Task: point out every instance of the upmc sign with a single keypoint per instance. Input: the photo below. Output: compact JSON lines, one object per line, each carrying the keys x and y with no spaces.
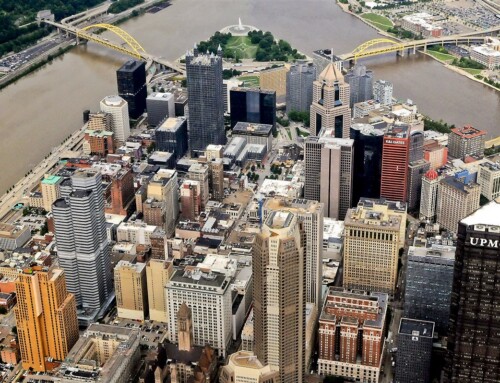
{"x":483,"y":242}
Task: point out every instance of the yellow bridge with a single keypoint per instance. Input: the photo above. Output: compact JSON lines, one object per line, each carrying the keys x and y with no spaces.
{"x":129,"y":45}
{"x":385,"y":45}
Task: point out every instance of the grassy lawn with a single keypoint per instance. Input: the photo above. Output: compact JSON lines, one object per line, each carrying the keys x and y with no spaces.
{"x":378,"y":21}
{"x":242,"y":46}
{"x":472,"y":71}
{"x":250,"y":80}
{"x":441,"y":56}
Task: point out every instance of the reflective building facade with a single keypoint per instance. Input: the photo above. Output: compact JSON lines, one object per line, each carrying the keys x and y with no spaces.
{"x":253,"y":105}
{"x":131,"y":79}
{"x":368,"y":143}
{"x":205,"y":101}
{"x":474,"y":331}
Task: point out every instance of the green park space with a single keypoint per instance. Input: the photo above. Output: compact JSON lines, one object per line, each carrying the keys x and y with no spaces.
{"x":378,"y":21}
{"x":447,"y":58}
{"x":241,"y":47}
{"x":250,"y":81}
{"x":472,"y":71}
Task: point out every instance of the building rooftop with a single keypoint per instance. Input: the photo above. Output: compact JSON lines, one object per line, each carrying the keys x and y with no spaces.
{"x":468,"y":132}
{"x":328,"y":137}
{"x":281,"y":188}
{"x":160,"y":96}
{"x":51,"y":180}
{"x":192,"y":277}
{"x":331,"y":74}
{"x":416,"y":327}
{"x":99,"y":133}
{"x":485,"y":215}
{"x":171,"y":124}
{"x":138,"y":267}
{"x":373,"y":304}
{"x":248,"y":89}
{"x":279,"y":219}
{"x":251,"y":129}
{"x":113,"y":101}
{"x":131,"y":66}
{"x":487,"y":51}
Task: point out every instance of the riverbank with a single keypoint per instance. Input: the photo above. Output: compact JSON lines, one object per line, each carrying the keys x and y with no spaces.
{"x":21,"y":190}
{"x":345,"y":8}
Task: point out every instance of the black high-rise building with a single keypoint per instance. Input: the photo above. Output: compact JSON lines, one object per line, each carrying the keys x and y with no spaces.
{"x":205,"y":101}
{"x":414,"y":342}
{"x":367,"y":169}
{"x":131,"y":79}
{"x":417,"y":167}
{"x":253,"y":105}
{"x":474,"y":331}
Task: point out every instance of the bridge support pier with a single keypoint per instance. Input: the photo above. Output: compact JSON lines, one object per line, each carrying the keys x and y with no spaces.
{"x":414,"y":49}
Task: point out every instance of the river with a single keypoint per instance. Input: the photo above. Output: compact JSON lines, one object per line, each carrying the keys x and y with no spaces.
{"x":43,"y":108}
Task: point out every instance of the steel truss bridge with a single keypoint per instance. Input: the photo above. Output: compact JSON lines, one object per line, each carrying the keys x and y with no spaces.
{"x":129,"y":45}
{"x":385,"y":45}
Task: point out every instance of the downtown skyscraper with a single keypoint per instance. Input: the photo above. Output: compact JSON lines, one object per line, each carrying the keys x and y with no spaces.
{"x":46,"y":321}
{"x":82,"y":244}
{"x":279,"y":296}
{"x":474,"y":328}
{"x":205,"y":101}
{"x":299,"y":86}
{"x":330,"y":107}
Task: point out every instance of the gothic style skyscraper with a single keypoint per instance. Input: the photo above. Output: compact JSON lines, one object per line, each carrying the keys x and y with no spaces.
{"x":330,"y":106}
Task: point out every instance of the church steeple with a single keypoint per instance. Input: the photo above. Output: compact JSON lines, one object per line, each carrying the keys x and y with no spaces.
{"x":185,"y":328}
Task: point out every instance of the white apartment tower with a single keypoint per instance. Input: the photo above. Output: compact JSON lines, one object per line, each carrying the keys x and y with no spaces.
{"x":117,"y":107}
{"x":82,"y":244}
{"x":382,"y":92}
{"x":279,"y":296}
{"x":428,"y":198}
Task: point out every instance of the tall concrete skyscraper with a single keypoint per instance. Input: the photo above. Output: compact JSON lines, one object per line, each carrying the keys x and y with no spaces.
{"x":82,"y":244}
{"x":429,"y":194}
{"x":131,"y":80}
{"x":367,"y":167}
{"x":330,"y":105}
{"x":279,"y":296}
{"x":299,"y":86}
{"x":46,"y":321}
{"x":456,"y":200}
{"x":205,"y":101}
{"x":118,"y":109}
{"x":360,"y":81}
{"x":417,"y":167}
{"x":310,"y":214}
{"x":474,"y":331}
{"x":329,"y":171}
{"x":374,"y":232}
